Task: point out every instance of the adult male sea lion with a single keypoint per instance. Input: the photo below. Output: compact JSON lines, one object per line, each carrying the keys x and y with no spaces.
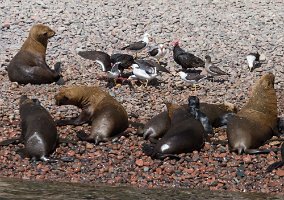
{"x":107,"y":115}
{"x":257,"y":121}
{"x":29,"y":64}
{"x":39,"y":133}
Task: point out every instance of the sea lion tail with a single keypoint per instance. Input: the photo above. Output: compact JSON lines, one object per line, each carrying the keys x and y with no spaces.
{"x":275,"y":165}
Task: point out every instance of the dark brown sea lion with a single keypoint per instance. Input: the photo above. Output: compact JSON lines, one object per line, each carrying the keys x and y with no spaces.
{"x":257,"y":121}
{"x":184,"y":136}
{"x":156,"y":127}
{"x":39,"y":133}
{"x":279,"y":163}
{"x":107,"y":115}
{"x":29,"y":65}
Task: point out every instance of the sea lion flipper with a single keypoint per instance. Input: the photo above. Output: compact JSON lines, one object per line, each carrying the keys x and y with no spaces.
{"x":67,"y":159}
{"x":60,"y":81}
{"x":16,"y":140}
{"x":275,"y":165}
{"x":257,"y":151}
{"x":57,"y":67}
{"x":83,"y":118}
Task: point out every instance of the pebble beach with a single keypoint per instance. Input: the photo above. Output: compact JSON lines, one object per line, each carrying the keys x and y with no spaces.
{"x":227,"y":31}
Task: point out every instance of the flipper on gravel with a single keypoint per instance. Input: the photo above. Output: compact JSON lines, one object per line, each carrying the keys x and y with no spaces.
{"x":260,"y":151}
{"x":16,"y":140}
{"x":57,"y":67}
{"x":149,"y":150}
{"x":279,"y":163}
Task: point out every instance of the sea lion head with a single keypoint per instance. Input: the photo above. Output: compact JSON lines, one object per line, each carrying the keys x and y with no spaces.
{"x":171,"y":107}
{"x":25,"y":100}
{"x":41,"y":33}
{"x":266,"y":82}
{"x":66,"y":96}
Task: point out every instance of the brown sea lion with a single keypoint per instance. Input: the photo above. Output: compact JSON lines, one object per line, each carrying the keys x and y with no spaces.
{"x":257,"y":121}
{"x":279,"y":163}
{"x":39,"y":133}
{"x":218,"y":113}
{"x":29,"y":65}
{"x":184,"y":136}
{"x":107,"y":115}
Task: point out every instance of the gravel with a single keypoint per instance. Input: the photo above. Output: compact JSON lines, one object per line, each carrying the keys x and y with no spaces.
{"x":227,"y":31}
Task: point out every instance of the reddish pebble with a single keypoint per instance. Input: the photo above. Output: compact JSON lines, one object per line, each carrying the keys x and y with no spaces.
{"x":159,"y":170}
{"x":71,"y":153}
{"x":280,"y":172}
{"x":139,"y":162}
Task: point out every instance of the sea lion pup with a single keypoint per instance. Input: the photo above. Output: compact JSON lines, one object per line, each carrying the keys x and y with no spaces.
{"x":257,"y":121}
{"x":39,"y":133}
{"x":156,"y":127}
{"x":107,"y":115}
{"x":218,"y":113}
{"x":183,"y":137}
{"x":279,"y":163}
{"x":29,"y":65}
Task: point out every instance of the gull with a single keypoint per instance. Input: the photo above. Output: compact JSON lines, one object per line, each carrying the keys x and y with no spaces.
{"x":139,"y":45}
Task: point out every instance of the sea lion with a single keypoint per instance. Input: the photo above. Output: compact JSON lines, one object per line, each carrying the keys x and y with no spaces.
{"x":218,"y":113}
{"x":29,"y":65}
{"x":39,"y":133}
{"x":157,"y":126}
{"x":183,"y":137}
{"x":257,"y":121}
{"x":279,"y":163}
{"x":107,"y":115}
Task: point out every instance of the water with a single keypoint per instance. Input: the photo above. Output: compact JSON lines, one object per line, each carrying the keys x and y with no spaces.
{"x":17,"y":189}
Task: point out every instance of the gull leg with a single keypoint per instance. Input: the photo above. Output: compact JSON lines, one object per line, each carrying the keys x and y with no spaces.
{"x":147,"y":83}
